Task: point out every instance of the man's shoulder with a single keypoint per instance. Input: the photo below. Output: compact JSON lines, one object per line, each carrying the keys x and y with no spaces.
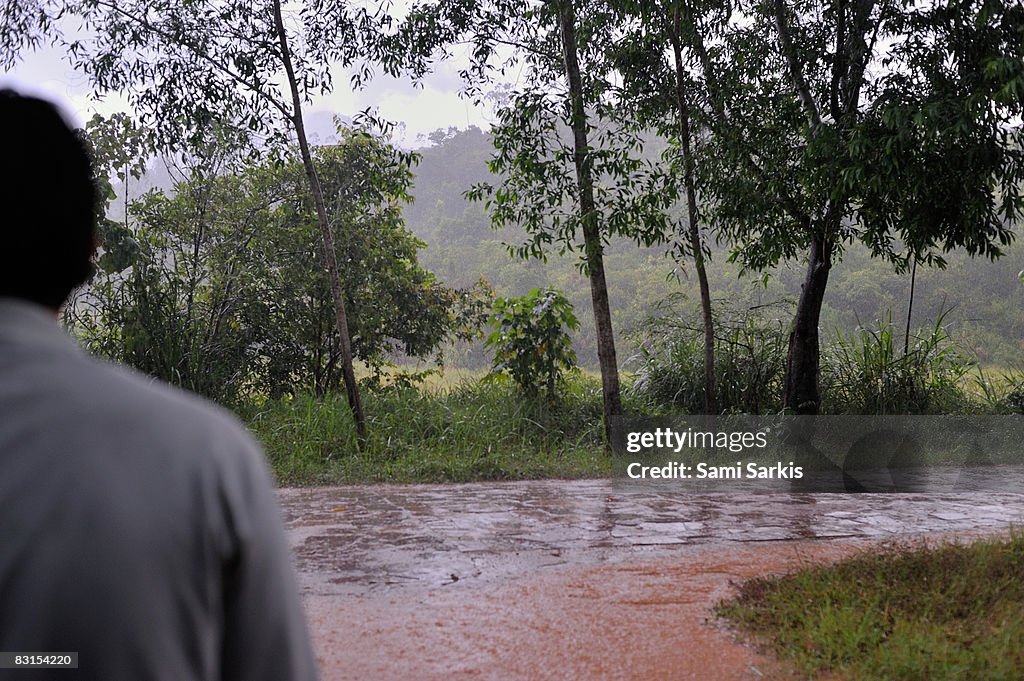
{"x":129,"y":399}
{"x":73,"y":401}
{"x":123,"y":425}
{"x":135,"y":388}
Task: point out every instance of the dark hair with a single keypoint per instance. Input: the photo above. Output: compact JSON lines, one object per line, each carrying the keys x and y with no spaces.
{"x":48,"y":203}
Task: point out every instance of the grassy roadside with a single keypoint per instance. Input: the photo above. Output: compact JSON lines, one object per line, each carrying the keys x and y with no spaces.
{"x":429,"y":425}
{"x":472,"y":431}
{"x":909,"y":613}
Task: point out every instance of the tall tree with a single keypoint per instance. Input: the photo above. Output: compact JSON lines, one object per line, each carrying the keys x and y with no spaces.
{"x":186,"y":67}
{"x":572,"y":175}
{"x":685,"y":138}
{"x":326,"y":234}
{"x":877,"y":120}
{"x":660,"y":88}
{"x":592,"y":243}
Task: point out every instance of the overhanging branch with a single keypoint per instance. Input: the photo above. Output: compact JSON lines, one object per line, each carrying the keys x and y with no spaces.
{"x":200,"y":54}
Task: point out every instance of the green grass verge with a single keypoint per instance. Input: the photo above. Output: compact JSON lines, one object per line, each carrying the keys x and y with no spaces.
{"x":475,"y":431}
{"x":935,"y":614}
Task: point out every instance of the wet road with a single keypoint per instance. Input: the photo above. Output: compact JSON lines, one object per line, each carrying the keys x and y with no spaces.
{"x":571,"y":579}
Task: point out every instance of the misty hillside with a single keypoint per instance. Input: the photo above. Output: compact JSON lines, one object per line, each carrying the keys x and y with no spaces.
{"x":985,"y":300}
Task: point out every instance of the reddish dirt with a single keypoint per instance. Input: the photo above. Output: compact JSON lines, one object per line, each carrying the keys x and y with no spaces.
{"x":645,"y":620}
{"x":573,"y":580}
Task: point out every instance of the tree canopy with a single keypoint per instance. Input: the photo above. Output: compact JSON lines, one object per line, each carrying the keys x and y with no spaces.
{"x":216,"y":286}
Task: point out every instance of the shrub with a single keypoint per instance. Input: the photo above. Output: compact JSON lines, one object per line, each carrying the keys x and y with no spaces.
{"x":531,"y":340}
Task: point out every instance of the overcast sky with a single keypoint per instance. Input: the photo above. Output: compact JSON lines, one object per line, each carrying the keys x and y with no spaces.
{"x":434,"y":106}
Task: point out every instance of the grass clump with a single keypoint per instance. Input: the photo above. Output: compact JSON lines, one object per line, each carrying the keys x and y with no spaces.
{"x":869,"y":373}
{"x":750,"y":352}
{"x":1001,"y":393}
{"x":872,"y":371}
{"x":478,"y":431}
{"x":909,"y":613}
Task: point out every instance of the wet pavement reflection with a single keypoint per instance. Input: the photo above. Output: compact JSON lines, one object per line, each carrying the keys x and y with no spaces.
{"x":368,"y":539}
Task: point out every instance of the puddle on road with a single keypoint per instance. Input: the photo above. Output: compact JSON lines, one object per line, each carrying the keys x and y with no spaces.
{"x":362,"y":538}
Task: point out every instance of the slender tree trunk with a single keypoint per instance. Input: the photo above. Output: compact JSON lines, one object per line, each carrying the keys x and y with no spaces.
{"x":591,"y":229}
{"x":693,"y":217}
{"x":330,"y":258}
{"x":803,"y":362}
{"x":910,"y":307}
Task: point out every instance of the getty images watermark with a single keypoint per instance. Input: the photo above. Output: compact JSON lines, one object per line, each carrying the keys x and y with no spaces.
{"x":823,"y":453}
{"x":689,"y":440}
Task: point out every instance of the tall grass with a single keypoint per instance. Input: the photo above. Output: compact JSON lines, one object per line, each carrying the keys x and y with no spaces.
{"x":1013,"y":398}
{"x":424,"y":428}
{"x":477,"y":431}
{"x":1002,"y":393}
{"x":750,"y":351}
{"x":867,"y":373}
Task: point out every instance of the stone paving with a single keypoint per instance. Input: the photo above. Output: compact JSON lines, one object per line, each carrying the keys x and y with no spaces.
{"x":364,"y":539}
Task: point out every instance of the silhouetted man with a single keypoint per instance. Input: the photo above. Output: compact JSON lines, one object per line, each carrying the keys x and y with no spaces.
{"x":138,"y":524}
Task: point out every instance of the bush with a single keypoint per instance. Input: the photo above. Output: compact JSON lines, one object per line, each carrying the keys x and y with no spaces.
{"x":531,"y":341}
{"x":145,"y":308}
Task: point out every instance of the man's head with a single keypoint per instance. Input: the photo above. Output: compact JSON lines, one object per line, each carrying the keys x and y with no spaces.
{"x":47,"y":203}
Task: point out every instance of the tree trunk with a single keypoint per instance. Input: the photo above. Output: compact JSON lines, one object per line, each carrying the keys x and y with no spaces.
{"x":910,"y":308}
{"x":803,"y":365}
{"x":803,"y":360}
{"x":693,"y":217}
{"x":330,"y":257}
{"x":591,"y":229}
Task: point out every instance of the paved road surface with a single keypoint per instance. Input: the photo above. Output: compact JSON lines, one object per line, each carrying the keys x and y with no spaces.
{"x":592,"y":579}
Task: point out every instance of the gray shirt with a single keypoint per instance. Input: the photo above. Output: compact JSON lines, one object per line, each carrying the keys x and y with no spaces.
{"x":138,"y":524}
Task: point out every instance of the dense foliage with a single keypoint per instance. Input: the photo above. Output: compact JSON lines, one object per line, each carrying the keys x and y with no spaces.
{"x":982,"y":301}
{"x":829,"y":147}
{"x":219,"y":286}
